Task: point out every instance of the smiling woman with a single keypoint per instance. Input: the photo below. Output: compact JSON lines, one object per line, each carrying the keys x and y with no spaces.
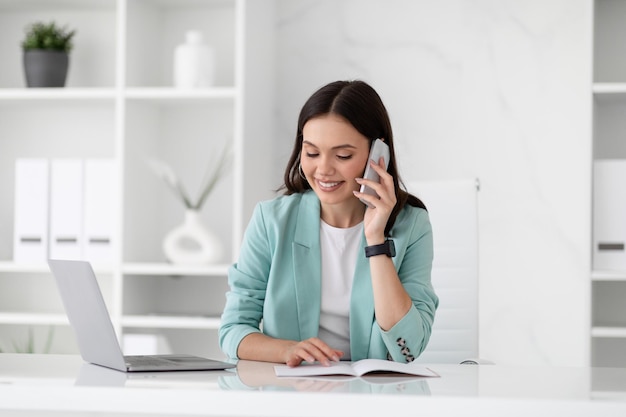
{"x":330,"y":277}
{"x":333,"y":155}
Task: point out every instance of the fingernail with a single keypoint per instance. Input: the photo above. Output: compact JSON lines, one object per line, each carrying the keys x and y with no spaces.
{"x":358,"y":179}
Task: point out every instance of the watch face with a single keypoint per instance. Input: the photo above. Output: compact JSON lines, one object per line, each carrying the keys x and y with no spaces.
{"x":391,"y":248}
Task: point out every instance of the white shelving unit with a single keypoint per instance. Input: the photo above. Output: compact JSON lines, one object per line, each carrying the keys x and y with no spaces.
{"x":119,"y":103}
{"x":608,"y":288}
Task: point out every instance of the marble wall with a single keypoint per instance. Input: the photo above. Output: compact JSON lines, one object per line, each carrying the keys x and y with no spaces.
{"x":493,"y":89}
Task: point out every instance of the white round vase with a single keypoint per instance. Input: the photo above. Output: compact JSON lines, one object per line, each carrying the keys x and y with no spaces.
{"x":192,"y":243}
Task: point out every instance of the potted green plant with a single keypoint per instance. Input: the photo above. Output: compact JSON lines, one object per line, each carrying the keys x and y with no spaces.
{"x":46,"y":54}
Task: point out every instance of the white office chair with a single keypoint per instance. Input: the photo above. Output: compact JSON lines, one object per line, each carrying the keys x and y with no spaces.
{"x":453,"y":211}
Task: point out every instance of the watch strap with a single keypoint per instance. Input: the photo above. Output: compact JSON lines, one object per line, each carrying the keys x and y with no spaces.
{"x":386,"y":248}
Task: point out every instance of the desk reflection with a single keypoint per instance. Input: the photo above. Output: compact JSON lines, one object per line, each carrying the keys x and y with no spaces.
{"x":253,"y":375}
{"x":97,"y":376}
{"x":250,"y":376}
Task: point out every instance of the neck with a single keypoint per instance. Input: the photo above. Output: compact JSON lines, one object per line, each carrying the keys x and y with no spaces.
{"x":343,"y":216}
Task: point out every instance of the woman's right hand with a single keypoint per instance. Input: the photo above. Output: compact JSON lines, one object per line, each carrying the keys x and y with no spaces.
{"x":311,"y":350}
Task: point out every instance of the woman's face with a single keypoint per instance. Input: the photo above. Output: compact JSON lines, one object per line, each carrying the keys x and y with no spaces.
{"x":334,"y":153}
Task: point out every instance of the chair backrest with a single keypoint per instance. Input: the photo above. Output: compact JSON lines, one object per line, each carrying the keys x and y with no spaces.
{"x":453,"y":212}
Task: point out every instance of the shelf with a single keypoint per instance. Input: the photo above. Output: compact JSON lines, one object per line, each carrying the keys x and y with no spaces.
{"x":38,"y":268}
{"x":56,"y":94}
{"x":8,"y":266}
{"x":164,"y":94}
{"x":148,"y":321}
{"x":33,"y":319}
{"x":176,"y":270}
{"x":190,"y":3}
{"x":608,"y":395}
{"x":168,"y":94}
{"x":75,"y":4}
{"x":608,"y":276}
{"x":608,"y":289}
{"x":171,"y":322}
{"x":120,"y":103}
{"x":128,"y":269}
{"x":608,"y":332}
{"x":609,"y":88}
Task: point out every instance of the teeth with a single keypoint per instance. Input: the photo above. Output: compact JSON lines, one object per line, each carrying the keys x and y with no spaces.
{"x":328,"y":184}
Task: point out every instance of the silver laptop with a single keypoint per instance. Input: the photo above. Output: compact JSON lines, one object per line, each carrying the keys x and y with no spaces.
{"x":94,"y":331}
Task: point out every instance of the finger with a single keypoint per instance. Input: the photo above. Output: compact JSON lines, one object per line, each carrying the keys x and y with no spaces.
{"x":385,"y":178}
{"x":303,"y":384}
{"x":322,"y":352}
{"x":311,"y":350}
{"x":324,"y":386}
{"x":370,"y":199}
{"x":304,"y":352}
{"x":296,"y":355}
{"x":384,"y":195}
{"x":385,"y":192}
{"x":315,"y":385}
{"x":379,"y":166}
{"x":293,"y":361}
{"x":374,"y":185}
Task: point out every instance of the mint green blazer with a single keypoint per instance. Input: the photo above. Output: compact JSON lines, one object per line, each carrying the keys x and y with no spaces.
{"x":275,"y":286}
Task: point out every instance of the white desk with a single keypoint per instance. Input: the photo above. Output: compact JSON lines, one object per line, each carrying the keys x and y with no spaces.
{"x":53,"y":385}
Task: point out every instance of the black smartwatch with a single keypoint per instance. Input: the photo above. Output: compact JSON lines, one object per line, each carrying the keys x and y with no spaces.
{"x":387,"y":248}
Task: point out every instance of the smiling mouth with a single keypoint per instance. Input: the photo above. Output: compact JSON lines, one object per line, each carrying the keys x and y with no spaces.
{"x":328,"y":185}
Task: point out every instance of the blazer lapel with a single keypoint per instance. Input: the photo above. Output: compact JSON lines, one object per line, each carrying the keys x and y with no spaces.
{"x":307,"y":265}
{"x":361,"y":307}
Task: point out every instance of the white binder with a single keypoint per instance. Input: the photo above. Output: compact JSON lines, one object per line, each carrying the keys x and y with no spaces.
{"x":609,"y":215}
{"x":99,"y":208}
{"x":30,"y":235}
{"x":66,"y":208}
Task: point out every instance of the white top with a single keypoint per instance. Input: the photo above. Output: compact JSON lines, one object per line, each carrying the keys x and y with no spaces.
{"x":339,"y":249}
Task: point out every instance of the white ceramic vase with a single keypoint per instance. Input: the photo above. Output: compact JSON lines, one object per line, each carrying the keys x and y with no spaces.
{"x":194,"y":62}
{"x":192,"y":243}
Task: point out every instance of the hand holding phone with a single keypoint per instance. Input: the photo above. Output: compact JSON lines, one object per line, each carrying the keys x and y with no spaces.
{"x":379,"y":149}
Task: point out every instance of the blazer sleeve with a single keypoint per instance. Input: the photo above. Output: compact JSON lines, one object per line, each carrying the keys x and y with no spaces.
{"x":248,"y":284}
{"x":408,"y":338}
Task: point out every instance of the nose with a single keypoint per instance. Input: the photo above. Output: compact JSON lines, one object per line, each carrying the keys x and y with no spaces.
{"x":325,"y":166}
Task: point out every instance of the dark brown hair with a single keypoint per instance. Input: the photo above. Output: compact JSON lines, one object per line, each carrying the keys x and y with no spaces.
{"x":359,"y":104}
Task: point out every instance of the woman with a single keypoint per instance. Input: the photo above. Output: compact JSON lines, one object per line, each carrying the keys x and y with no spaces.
{"x":316,"y":271}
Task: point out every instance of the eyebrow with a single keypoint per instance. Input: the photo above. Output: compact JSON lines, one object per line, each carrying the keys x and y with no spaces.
{"x":344,"y":146}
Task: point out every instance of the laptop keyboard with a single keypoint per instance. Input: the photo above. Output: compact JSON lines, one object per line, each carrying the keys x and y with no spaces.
{"x":147,"y":361}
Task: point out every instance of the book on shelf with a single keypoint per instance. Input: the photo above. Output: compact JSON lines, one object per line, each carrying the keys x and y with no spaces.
{"x":30,"y":240}
{"x":99,"y":210}
{"x":357,"y":369}
{"x":66,"y":208}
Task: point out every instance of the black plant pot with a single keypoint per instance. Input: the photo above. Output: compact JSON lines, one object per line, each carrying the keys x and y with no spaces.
{"x":45,"y":68}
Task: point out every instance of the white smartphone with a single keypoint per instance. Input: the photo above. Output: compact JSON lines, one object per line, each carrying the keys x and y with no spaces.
{"x":379,"y":149}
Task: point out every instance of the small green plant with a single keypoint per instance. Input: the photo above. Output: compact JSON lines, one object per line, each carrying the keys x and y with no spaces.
{"x":215,"y":170}
{"x":29,"y":345}
{"x":48,"y":36}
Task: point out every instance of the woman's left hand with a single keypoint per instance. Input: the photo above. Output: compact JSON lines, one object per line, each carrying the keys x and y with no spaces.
{"x":378,"y":213}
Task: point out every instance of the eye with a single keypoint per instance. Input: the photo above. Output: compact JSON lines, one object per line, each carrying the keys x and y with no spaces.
{"x":311,"y":154}
{"x":344,"y":157}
